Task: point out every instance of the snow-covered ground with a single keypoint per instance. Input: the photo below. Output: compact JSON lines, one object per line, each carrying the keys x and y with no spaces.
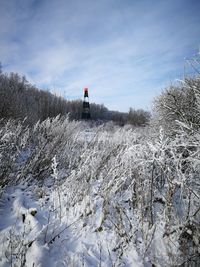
{"x":97,"y":197}
{"x":34,"y":234}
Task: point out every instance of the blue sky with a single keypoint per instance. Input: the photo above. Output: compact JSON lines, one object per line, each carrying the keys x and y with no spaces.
{"x":125,"y":51}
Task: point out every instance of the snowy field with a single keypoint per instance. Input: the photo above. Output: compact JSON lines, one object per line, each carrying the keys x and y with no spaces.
{"x":105,"y":196}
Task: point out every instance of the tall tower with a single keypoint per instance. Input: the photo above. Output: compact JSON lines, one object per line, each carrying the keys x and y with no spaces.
{"x":86,"y":106}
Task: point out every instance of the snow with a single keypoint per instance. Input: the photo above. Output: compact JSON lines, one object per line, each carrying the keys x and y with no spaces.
{"x":80,"y":240}
{"x":101,"y":198}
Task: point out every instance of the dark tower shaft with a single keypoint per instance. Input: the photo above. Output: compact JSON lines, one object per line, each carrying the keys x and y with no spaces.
{"x":86,"y":106}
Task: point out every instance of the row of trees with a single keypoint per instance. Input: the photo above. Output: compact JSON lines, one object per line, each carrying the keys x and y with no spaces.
{"x":20,"y":99}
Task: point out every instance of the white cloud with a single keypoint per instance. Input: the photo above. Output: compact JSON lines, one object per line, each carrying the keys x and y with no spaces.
{"x":122,"y":51}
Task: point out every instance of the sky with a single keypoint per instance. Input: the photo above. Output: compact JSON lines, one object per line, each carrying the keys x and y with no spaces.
{"x":125,"y":51}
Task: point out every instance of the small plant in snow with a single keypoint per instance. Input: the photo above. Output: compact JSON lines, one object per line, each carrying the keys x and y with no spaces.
{"x":57,"y":193}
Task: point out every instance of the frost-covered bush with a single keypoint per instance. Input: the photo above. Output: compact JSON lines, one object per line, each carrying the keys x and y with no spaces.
{"x":179,"y":106}
{"x":26,"y":152}
{"x":13,"y":140}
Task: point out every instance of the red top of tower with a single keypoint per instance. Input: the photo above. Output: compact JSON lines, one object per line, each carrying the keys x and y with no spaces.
{"x":85,"y":90}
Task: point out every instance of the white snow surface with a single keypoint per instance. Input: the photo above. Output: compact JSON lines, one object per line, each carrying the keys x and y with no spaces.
{"x":31,"y":229}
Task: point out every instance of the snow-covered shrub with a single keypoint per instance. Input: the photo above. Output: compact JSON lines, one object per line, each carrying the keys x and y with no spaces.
{"x":13,"y":142}
{"x":26,"y":153}
{"x":179,"y":105}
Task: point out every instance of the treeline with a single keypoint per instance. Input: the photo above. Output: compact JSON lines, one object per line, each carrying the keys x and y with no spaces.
{"x":19,"y":99}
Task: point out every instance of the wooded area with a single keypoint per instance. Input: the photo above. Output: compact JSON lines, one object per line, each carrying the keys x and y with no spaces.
{"x":20,"y":99}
